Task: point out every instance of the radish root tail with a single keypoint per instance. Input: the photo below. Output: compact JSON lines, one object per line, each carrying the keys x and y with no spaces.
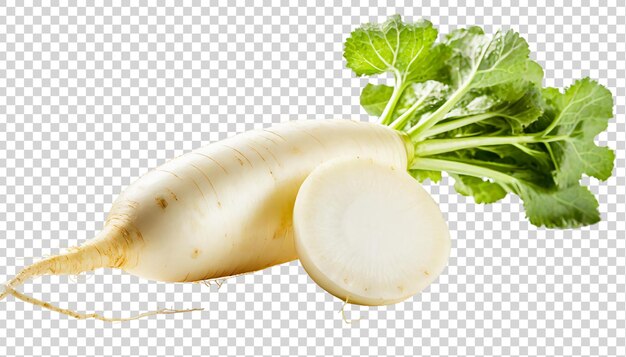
{"x":106,"y":251}
{"x":343,"y":313}
{"x":82,"y":316}
{"x":109,"y":250}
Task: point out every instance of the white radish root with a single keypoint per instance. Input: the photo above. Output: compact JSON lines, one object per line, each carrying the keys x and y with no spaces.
{"x":221,"y":210}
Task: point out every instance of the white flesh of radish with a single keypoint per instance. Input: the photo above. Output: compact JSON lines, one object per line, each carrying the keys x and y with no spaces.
{"x":368,"y":233}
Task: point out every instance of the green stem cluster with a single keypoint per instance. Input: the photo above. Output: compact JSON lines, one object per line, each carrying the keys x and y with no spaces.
{"x":461,"y":168}
{"x":473,"y":105}
{"x":440,"y":146}
{"x":385,"y":117}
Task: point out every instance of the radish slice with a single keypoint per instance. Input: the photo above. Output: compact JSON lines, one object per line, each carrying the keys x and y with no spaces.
{"x":368,"y":233}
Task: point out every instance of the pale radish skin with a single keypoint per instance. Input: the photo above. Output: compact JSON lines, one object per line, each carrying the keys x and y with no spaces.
{"x":222,"y":210}
{"x":368,"y":233}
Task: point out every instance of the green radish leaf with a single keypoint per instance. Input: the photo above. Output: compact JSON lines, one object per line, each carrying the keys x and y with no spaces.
{"x":374,"y":98}
{"x":579,"y":115}
{"x":508,"y":105}
{"x":480,"y":60}
{"x":571,"y":207}
{"x":393,"y":46}
{"x":423,"y":175}
{"x":483,"y":191}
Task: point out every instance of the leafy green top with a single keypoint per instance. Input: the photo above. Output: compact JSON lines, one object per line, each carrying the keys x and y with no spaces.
{"x":406,"y":49}
{"x":474,"y":106}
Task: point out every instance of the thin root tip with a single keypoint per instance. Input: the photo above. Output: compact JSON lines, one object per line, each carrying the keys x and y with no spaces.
{"x":5,"y":293}
{"x":82,"y":316}
{"x":171,"y":311}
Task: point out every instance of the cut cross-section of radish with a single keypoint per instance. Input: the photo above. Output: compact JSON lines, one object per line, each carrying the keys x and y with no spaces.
{"x":368,"y":233}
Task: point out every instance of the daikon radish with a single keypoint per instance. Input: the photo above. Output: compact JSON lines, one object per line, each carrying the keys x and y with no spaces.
{"x":221,"y":210}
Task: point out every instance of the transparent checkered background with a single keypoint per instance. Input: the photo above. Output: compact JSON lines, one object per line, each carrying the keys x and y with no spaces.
{"x":92,"y":97}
